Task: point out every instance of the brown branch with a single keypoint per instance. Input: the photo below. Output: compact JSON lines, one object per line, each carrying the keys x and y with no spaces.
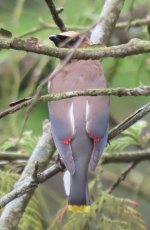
{"x":22,"y":103}
{"x":10,"y":156}
{"x":133,"y":47}
{"x":55,"y":14}
{"x":126,"y":157}
{"x":107,"y":158}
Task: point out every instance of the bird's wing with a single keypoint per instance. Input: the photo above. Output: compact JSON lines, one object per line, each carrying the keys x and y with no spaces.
{"x":97,"y":115}
{"x":62,"y":119}
{"x":98,"y":150}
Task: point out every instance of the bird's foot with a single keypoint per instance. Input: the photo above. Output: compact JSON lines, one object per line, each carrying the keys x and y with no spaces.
{"x":59,"y":160}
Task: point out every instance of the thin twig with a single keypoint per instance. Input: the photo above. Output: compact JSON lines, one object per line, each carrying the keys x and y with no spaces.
{"x":138,"y":91}
{"x":122,"y":177}
{"x":120,"y":25}
{"x":11,"y":156}
{"x":20,"y":163}
{"x":32,"y":31}
{"x":134,"y":23}
{"x":133,"y":118}
{"x":55,"y":15}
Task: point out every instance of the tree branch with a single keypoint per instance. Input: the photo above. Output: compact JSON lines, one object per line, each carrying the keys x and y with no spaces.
{"x":126,"y":157}
{"x":133,"y":118}
{"x":55,"y":15}
{"x":22,"y":103}
{"x":10,"y":156}
{"x":123,"y":157}
{"x":106,"y":24}
{"x":134,"y":46}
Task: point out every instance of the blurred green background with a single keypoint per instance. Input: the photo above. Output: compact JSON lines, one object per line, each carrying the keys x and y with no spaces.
{"x":21,"y":73}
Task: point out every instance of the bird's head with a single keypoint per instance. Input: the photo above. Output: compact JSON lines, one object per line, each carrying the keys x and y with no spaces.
{"x":69,"y":39}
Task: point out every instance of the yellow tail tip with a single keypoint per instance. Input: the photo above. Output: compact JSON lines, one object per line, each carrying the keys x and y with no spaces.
{"x":79,"y":208}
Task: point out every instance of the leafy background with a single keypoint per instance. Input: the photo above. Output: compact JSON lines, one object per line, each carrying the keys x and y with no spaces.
{"x":21,"y":73}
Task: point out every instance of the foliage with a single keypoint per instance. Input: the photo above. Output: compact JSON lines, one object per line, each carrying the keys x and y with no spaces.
{"x":132,"y":137}
{"x":108,"y":212}
{"x":26,"y":143}
{"x":32,"y":218}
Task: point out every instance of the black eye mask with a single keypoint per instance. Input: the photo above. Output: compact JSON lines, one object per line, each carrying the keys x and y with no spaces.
{"x":63,"y":41}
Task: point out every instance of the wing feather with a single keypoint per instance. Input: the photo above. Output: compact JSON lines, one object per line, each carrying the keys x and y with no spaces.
{"x":97,"y":116}
{"x":63,"y":128}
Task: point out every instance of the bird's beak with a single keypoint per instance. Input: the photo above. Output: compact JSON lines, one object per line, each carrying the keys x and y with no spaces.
{"x":55,"y":39}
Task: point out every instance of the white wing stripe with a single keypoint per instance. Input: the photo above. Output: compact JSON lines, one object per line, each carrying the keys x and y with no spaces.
{"x":71,"y":117}
{"x":87,"y":110}
{"x":66,"y":179}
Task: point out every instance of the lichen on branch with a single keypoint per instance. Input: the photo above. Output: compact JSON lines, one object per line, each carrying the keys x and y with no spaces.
{"x":133,"y":47}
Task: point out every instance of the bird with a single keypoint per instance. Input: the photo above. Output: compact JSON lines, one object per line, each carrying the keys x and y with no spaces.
{"x":79,"y":124}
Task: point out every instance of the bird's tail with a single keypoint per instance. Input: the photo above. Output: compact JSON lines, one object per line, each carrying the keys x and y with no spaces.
{"x":77,"y":190}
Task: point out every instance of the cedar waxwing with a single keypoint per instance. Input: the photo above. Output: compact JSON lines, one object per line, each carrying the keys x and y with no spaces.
{"x":79,"y":124}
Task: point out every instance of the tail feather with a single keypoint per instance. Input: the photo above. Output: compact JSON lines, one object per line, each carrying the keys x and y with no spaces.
{"x":67,"y":179}
{"x":79,"y":208}
{"x":76,"y":188}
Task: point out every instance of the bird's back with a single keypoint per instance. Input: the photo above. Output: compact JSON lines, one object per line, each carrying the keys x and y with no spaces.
{"x":79,"y":117}
{"x":78,"y":75}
